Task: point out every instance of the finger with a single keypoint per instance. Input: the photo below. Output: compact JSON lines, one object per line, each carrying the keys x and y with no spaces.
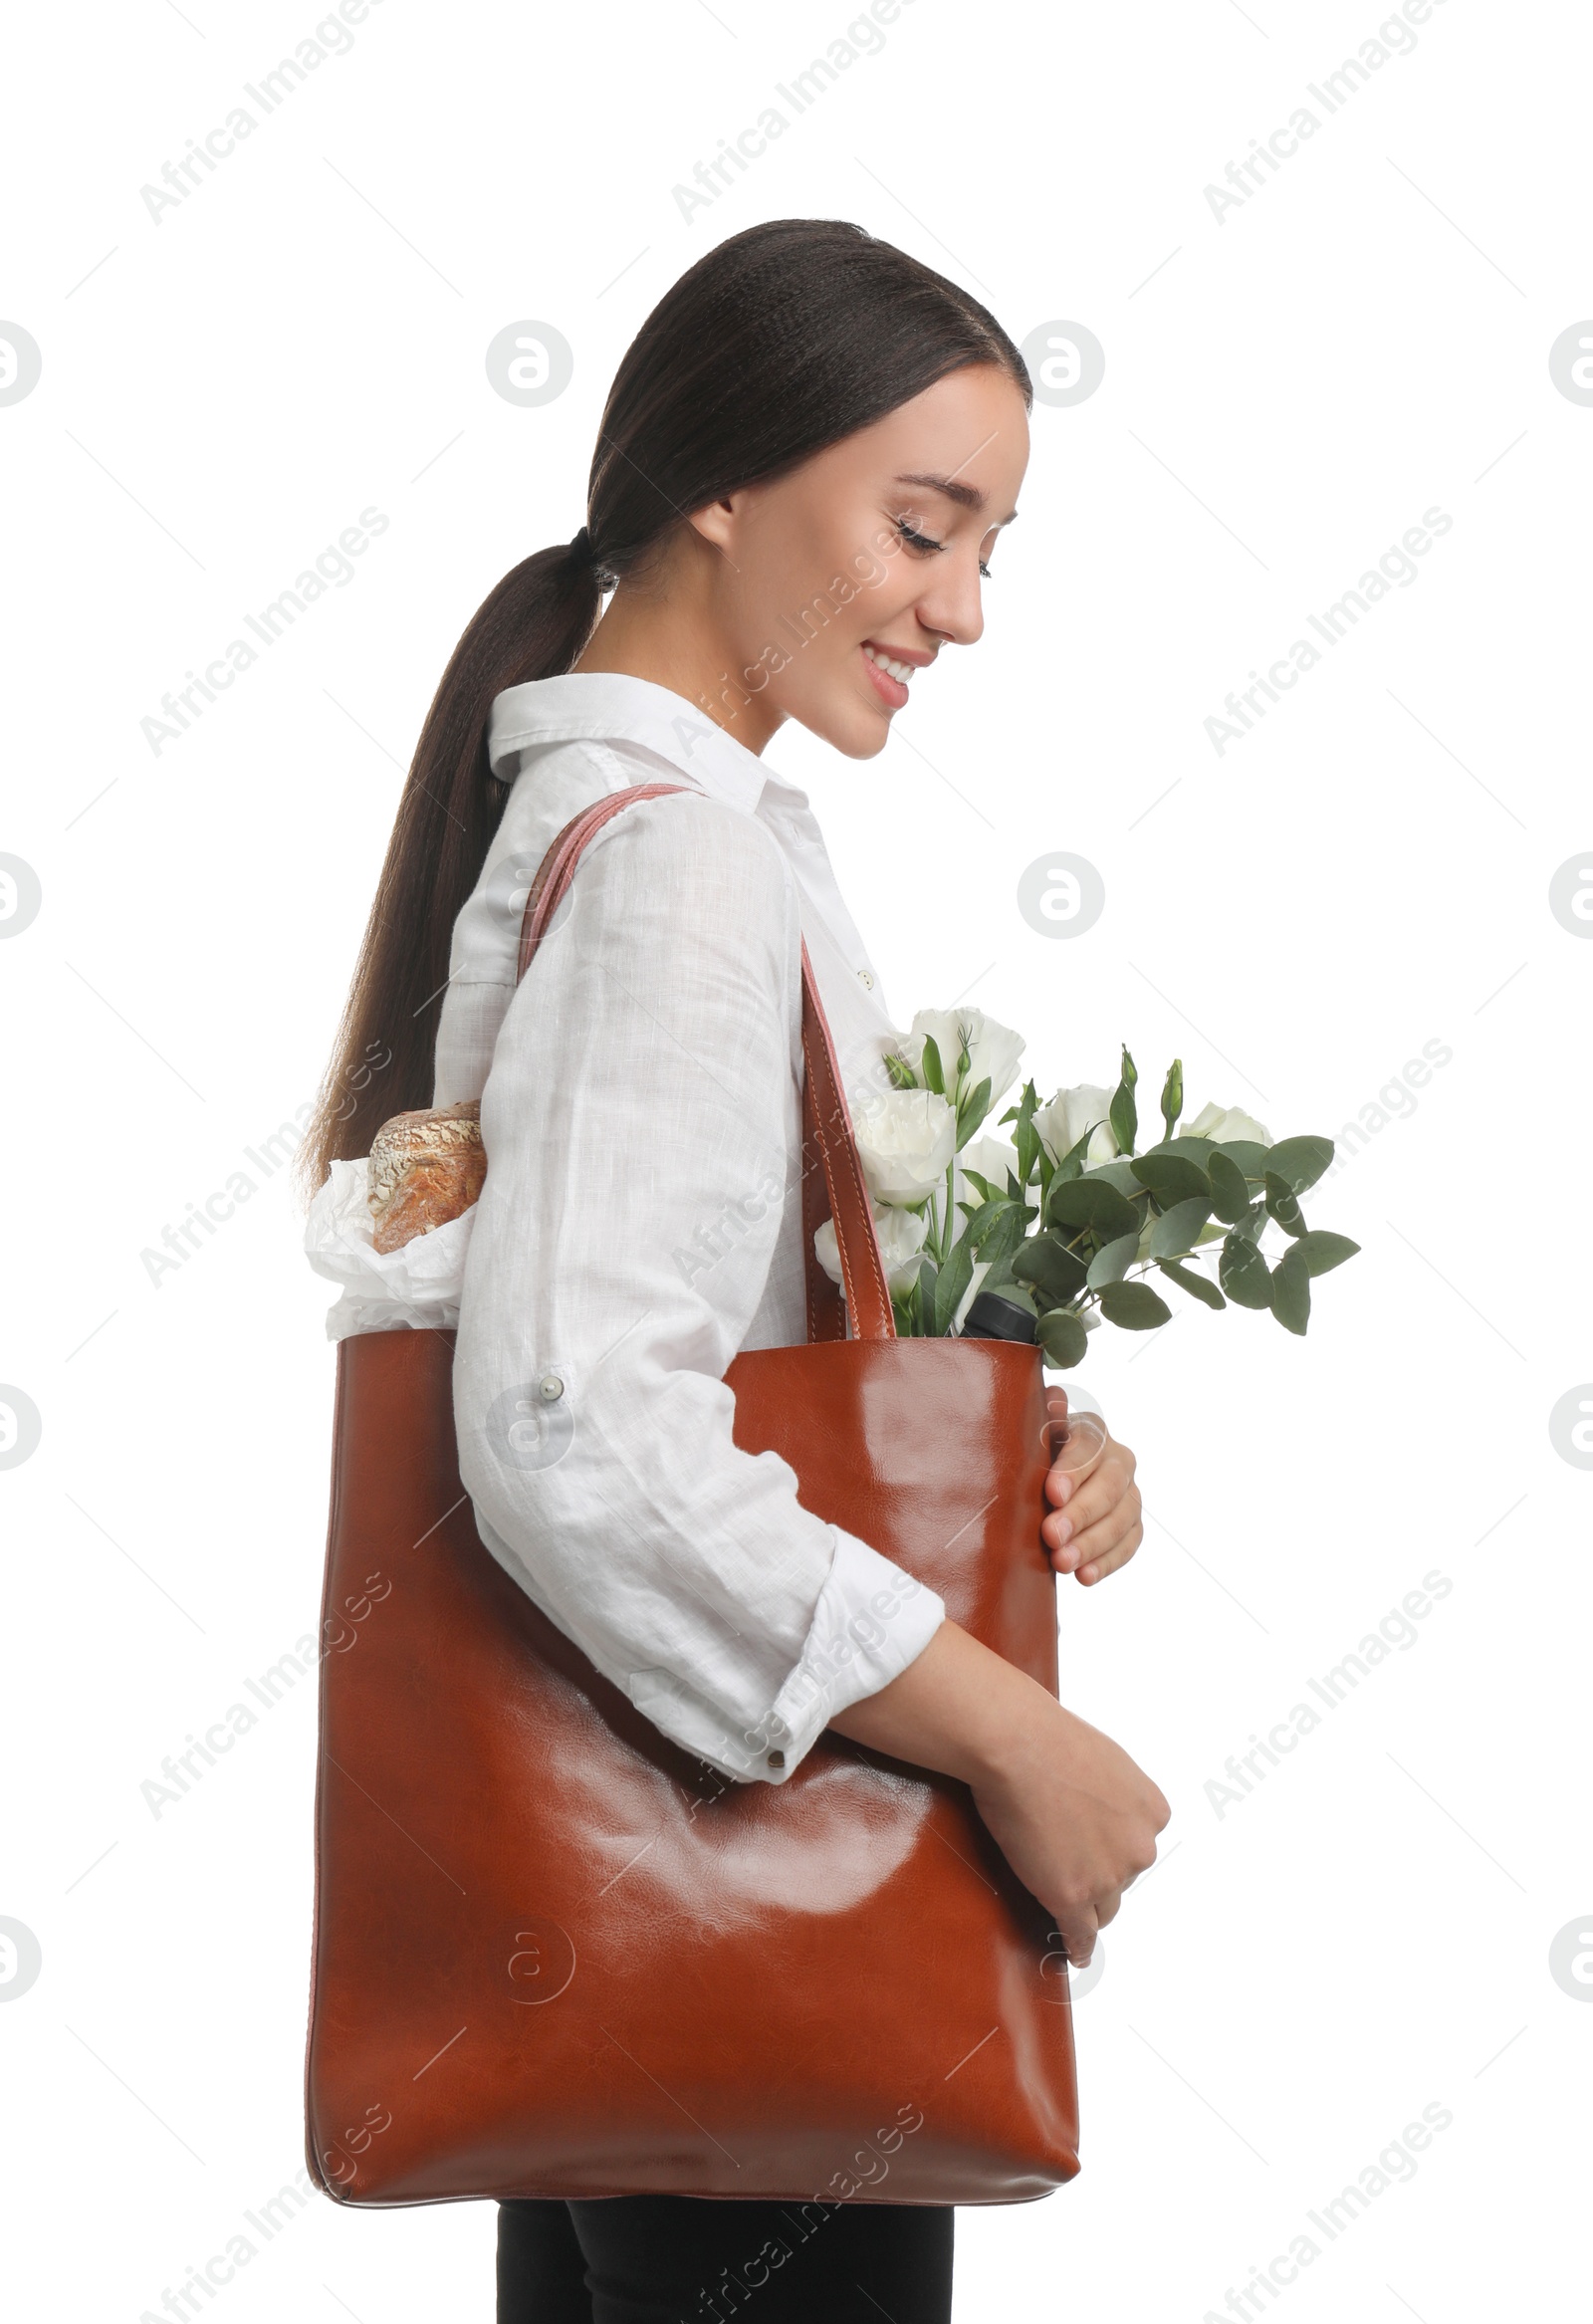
{"x":1088,"y":1498}
{"x":1095,"y":1564}
{"x":1073,"y":1547}
{"x":1078,"y":1507}
{"x":1106,"y":1540}
{"x":1097,"y":1539}
{"x":1107,"y":1906}
{"x":1077,"y":1931}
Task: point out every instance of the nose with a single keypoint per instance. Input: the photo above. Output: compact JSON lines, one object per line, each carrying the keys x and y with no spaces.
{"x":952,"y":603}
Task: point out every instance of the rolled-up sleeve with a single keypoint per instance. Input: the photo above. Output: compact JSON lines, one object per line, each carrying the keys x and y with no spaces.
{"x":641,"y":1122}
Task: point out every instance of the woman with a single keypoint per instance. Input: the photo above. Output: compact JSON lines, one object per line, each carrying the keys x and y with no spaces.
{"x":804,"y":462}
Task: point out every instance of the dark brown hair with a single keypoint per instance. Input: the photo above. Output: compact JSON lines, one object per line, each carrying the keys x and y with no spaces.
{"x":774,"y":345}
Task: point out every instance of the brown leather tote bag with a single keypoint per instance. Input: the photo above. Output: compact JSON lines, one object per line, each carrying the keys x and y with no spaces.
{"x":553,"y":1954}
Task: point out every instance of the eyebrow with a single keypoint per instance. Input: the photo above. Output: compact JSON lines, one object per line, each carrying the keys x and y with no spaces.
{"x":964,"y":495}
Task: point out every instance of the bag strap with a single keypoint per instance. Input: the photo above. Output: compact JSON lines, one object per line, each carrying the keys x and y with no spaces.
{"x":831,"y":1170}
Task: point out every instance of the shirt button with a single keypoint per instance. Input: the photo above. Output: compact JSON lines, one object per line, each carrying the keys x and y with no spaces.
{"x":868,"y":982}
{"x":777,"y":1758}
{"x":550,"y":1387}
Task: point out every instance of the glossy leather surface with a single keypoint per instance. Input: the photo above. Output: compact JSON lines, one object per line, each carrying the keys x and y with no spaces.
{"x":553,"y":1954}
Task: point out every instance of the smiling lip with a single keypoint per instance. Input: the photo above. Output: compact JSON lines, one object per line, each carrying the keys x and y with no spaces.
{"x":882,"y":663}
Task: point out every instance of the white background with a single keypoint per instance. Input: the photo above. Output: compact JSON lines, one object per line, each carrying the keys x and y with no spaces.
{"x":1286,"y":392}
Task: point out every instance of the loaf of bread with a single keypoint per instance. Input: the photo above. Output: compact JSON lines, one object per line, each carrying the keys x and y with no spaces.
{"x":425,"y":1168}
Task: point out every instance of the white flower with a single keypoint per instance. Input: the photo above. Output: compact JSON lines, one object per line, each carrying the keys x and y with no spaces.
{"x":992,"y":1049}
{"x":993,"y":1158}
{"x":906,"y":1139}
{"x":1064,"y":1120}
{"x":1224,"y":1122}
{"x":901,"y":1238}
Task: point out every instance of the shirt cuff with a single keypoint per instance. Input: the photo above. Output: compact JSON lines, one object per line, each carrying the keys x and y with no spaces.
{"x":872,"y":1620}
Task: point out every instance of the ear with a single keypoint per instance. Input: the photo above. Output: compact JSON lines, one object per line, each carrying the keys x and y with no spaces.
{"x":715,"y":522}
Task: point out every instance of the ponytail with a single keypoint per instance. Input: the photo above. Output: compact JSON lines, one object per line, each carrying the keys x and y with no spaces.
{"x":781,"y":342}
{"x":532,"y":626}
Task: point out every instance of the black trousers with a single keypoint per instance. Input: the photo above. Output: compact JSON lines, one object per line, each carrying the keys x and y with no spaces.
{"x":681,"y":2259}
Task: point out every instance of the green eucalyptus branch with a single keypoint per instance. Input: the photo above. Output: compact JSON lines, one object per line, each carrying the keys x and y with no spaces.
{"x":1078,"y":1242}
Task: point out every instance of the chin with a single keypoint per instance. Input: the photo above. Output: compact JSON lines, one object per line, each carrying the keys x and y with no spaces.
{"x":857,"y":730}
{"x":865,"y":745}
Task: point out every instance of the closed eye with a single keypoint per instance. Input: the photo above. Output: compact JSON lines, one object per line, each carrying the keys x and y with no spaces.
{"x":922,"y":544}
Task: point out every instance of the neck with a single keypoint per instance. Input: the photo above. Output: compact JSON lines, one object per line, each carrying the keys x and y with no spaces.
{"x":663,"y":627}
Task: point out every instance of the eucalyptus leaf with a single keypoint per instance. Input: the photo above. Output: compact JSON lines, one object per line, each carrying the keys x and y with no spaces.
{"x":1200,"y":1286}
{"x":1001,"y":1280}
{"x":1042,"y":1265}
{"x":1243,"y":1274}
{"x":1172,"y":1178}
{"x":1118,"y":1174}
{"x":928,"y":1273}
{"x":1113,"y":1262}
{"x":1321,"y":1251}
{"x":1292,"y":1290}
{"x":1062,"y":1339}
{"x":1089,"y":1202}
{"x":1281,"y":1206}
{"x":1174,"y":1231}
{"x":1300,"y":1162}
{"x":1230,"y":1197}
{"x":1134,"y":1306}
{"x":1246,"y":1154}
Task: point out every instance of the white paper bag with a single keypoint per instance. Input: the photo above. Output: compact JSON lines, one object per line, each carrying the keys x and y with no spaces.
{"x":415,"y":1289}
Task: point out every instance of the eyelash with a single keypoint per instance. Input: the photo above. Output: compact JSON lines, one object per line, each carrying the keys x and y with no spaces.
{"x":922,"y":542}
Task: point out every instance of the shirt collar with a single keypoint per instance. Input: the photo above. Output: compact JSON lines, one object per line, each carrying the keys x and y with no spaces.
{"x":606,"y":706}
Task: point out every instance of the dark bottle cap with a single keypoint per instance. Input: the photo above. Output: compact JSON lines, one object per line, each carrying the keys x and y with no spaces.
{"x":990,"y":1316}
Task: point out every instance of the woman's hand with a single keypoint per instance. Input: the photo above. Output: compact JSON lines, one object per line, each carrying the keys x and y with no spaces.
{"x":1075,"y":1818}
{"x":1071,"y":1812}
{"x":1094,"y":1528}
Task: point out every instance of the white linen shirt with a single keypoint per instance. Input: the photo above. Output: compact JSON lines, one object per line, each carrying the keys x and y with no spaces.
{"x":641,"y":1223}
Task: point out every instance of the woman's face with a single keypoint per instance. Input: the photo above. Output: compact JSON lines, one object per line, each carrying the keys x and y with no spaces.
{"x":834,"y":587}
